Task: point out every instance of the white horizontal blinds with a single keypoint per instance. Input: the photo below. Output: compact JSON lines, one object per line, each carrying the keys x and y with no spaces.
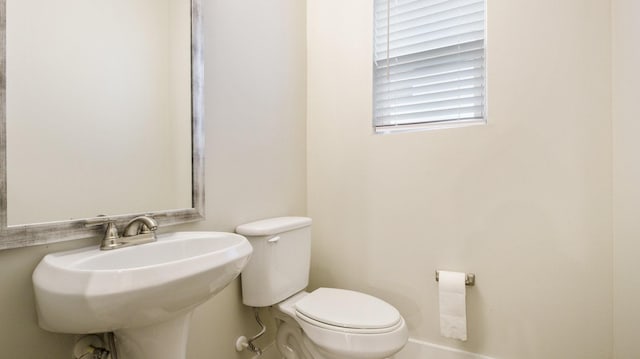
{"x":429,"y":61}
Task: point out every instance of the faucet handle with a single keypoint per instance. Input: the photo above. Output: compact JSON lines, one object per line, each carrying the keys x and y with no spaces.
{"x":156,"y":215}
{"x":144,"y":229}
{"x":99,"y":220}
{"x":110,"y":239}
{"x":111,"y":236}
{"x":112,"y":231}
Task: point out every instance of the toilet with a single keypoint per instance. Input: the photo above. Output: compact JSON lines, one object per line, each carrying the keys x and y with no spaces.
{"x":327,"y":323}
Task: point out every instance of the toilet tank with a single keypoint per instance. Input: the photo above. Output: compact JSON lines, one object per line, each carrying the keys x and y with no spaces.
{"x":279,"y":265}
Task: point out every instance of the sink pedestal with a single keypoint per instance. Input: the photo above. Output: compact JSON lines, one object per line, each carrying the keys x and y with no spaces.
{"x":166,"y":340}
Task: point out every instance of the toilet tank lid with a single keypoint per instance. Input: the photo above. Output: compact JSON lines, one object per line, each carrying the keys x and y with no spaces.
{"x":271,"y":226}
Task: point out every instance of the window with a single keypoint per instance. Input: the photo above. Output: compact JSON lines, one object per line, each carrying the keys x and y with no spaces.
{"x":429,"y":65}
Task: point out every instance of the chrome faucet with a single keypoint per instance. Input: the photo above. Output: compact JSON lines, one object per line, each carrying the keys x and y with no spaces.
{"x":138,"y":231}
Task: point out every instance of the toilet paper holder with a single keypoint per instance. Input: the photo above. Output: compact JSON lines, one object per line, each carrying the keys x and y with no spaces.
{"x":469,"y":278}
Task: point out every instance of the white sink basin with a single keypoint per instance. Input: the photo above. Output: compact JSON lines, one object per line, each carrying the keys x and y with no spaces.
{"x":145,"y":293}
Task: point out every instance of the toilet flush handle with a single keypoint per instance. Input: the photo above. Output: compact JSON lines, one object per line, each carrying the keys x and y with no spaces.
{"x":274,"y":239}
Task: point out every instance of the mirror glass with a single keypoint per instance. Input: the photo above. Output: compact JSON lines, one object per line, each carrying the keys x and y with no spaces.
{"x":98,"y":108}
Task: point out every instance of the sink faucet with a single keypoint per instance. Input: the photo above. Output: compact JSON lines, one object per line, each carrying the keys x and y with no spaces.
{"x":138,"y":231}
{"x":140,"y":225}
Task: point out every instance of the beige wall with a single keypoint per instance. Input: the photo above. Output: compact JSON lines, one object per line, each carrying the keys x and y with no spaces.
{"x":180,"y":93}
{"x":255,"y":65}
{"x":524,"y":202}
{"x":626,"y":176}
{"x":255,"y":157}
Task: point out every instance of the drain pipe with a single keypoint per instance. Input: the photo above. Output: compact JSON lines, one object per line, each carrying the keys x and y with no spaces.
{"x":111,"y":344}
{"x":244,"y":343}
{"x":90,"y":347}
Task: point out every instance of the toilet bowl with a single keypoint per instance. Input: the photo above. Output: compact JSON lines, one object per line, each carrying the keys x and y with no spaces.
{"x":360,"y":327}
{"x":327,"y":323}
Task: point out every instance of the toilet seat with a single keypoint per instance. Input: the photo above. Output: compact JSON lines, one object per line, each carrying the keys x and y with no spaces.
{"x":347,"y":311}
{"x":326,"y":326}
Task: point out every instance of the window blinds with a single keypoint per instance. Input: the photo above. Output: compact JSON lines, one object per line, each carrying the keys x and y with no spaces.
{"x":429,"y":62}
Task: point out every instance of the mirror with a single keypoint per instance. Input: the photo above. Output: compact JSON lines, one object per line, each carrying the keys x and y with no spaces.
{"x":101,"y":113}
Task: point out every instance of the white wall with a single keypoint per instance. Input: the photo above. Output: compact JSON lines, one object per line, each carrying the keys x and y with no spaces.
{"x":626,"y":176}
{"x":255,"y":167}
{"x":524,"y":202}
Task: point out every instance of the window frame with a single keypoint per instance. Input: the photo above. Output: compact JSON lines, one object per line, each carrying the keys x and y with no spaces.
{"x":436,"y":124}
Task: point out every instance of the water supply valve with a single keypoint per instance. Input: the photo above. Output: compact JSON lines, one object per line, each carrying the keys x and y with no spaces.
{"x":90,"y":347}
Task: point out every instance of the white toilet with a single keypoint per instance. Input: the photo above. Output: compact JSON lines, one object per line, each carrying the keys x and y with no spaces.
{"x":327,"y":323}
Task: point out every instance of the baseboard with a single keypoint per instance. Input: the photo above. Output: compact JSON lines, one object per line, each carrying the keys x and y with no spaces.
{"x":418,"y":349}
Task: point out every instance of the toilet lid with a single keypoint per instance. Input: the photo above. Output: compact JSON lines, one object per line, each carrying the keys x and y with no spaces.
{"x":348,"y":309}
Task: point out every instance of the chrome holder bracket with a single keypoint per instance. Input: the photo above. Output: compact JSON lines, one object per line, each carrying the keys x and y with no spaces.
{"x":469,"y":278}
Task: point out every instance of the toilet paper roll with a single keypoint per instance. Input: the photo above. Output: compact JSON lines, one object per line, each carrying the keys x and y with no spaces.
{"x":453,"y":307}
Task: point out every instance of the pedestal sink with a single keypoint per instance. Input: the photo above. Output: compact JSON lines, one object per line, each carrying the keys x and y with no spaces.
{"x":145,"y":294}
